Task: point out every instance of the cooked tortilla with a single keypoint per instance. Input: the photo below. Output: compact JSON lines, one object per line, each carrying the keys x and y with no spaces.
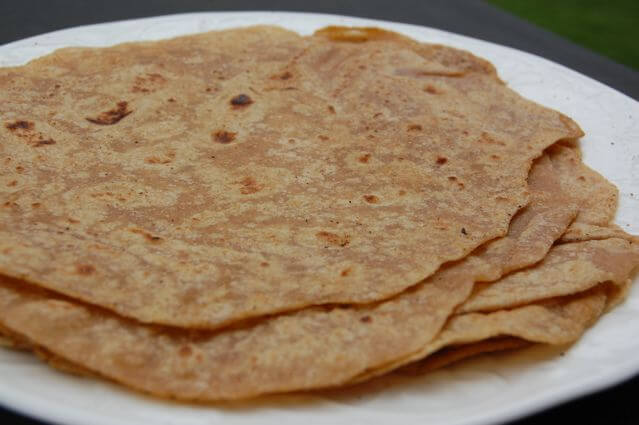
{"x":207,"y":179}
{"x":312,"y":348}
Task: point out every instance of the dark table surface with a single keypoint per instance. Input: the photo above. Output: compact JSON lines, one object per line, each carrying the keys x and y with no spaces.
{"x":474,"y":18}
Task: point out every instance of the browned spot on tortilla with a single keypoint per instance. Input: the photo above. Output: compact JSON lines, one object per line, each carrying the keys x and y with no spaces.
{"x":20,"y":125}
{"x":354,"y":35}
{"x":366,"y":319}
{"x":345,"y":272}
{"x":414,"y":127}
{"x":333,"y":238}
{"x":171,"y":99}
{"x":149,"y":237}
{"x":224,"y":137}
{"x":283,"y":76}
{"x":371,"y":199}
{"x":402,"y":192}
{"x":249,"y":186}
{"x":364,"y":158}
{"x":264,"y":264}
{"x":111,"y":116}
{"x":431,"y":89}
{"x":461,"y":185}
{"x":322,"y":137}
{"x":331,"y":109}
{"x":156,"y":160}
{"x":452,"y":178}
{"x":493,"y":156}
{"x":488,"y":139}
{"x":36,"y":205}
{"x":19,"y":168}
{"x":441,"y":160}
{"x":85,"y":269}
{"x":12,"y":183}
{"x":582,"y":178}
{"x":241,"y":101}
{"x":44,"y":142}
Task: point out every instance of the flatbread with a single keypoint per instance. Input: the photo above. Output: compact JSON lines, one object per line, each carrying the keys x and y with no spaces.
{"x":312,"y":348}
{"x":556,"y":321}
{"x":207,"y":179}
{"x":456,"y":353}
{"x":567,"y":269}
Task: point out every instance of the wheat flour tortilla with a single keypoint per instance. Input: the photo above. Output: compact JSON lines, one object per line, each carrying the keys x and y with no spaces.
{"x":211,"y":178}
{"x":555,"y":321}
{"x":312,"y":348}
{"x":567,"y":269}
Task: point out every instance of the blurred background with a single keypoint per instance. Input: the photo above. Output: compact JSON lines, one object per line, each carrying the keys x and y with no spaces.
{"x":608,"y":27}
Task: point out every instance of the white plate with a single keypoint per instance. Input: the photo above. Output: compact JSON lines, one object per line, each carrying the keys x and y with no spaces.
{"x":486,"y":390}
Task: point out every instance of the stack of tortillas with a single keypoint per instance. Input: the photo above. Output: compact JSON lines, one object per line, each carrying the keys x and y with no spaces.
{"x":249,"y":211}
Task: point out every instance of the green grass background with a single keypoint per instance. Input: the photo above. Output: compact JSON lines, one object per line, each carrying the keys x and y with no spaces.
{"x":610,"y":28}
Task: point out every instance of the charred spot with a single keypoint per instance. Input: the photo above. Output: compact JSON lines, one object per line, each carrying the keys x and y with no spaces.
{"x":463,"y":230}
{"x":371,"y":199}
{"x":452,"y":178}
{"x":12,"y":183}
{"x":582,"y":178}
{"x":442,"y":160}
{"x":241,"y":101}
{"x":149,"y":237}
{"x":249,"y":186}
{"x":85,"y":269}
{"x":19,"y":168}
{"x":36,"y":205}
{"x":264,"y":264}
{"x":345,"y":272}
{"x":333,"y":238}
{"x":460,"y":185}
{"x":331,"y":109}
{"x":402,"y":192}
{"x":414,"y":127}
{"x":322,"y":137}
{"x":209,"y":90}
{"x":111,"y":116}
{"x":224,"y":137}
{"x":364,"y":158}
{"x":366,"y":319}
{"x":20,"y":125}
{"x":170,"y":99}
{"x":44,"y":142}
{"x":493,"y":156}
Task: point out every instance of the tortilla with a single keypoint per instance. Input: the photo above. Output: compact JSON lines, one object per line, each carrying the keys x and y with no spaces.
{"x":456,"y":353}
{"x":556,"y":321}
{"x":207,"y":179}
{"x":567,"y":269}
{"x":312,"y":348}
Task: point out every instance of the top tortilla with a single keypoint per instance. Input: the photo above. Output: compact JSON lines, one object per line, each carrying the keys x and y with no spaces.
{"x":206,"y":179}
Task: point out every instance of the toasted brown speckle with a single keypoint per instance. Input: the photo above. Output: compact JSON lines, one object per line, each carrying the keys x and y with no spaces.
{"x":240,"y":101}
{"x":20,"y":125}
{"x":333,"y":238}
{"x":442,"y":160}
{"x":371,"y":199}
{"x":345,"y":272}
{"x":249,"y":186}
{"x":364,"y":158}
{"x":224,"y":137}
{"x":366,"y":319}
{"x":414,"y":127}
{"x":85,"y":269}
{"x":111,"y":116}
